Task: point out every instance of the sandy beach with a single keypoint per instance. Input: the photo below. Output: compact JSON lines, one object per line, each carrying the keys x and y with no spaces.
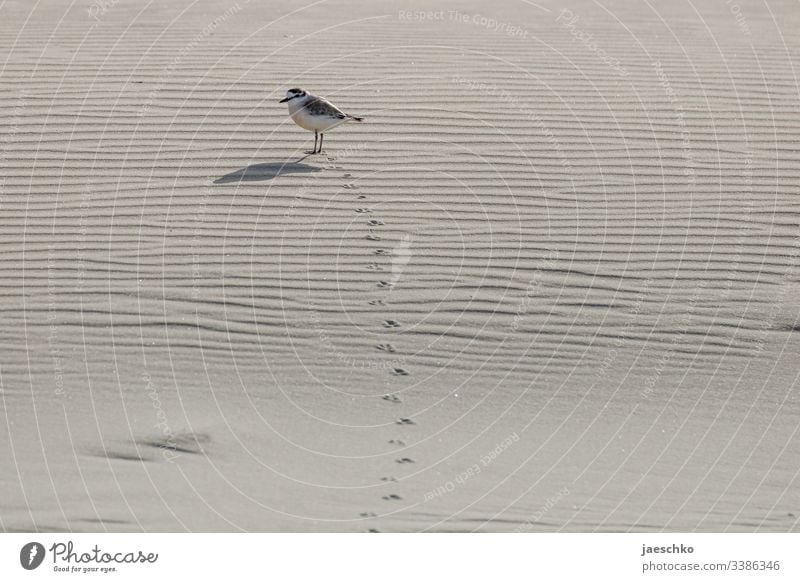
{"x":551,"y":283}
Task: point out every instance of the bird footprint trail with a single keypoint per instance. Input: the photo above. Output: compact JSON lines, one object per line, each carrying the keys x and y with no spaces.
{"x":399,"y":257}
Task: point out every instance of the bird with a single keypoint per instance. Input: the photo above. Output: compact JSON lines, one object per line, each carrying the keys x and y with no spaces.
{"x":315,"y":114}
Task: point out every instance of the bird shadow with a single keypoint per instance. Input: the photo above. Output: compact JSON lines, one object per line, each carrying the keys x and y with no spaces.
{"x":267,"y":171}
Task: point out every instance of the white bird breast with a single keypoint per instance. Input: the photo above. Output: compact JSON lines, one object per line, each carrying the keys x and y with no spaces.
{"x":312,"y":122}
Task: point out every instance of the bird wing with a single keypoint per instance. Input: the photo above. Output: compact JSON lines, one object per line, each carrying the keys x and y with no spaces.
{"x":320,"y":106}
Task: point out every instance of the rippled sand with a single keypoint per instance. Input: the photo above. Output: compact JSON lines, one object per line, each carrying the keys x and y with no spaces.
{"x":551,"y":283}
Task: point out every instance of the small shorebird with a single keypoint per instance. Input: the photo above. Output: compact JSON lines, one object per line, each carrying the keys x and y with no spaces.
{"x":315,"y":114}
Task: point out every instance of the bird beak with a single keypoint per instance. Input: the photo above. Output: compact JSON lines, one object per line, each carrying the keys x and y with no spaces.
{"x":284,"y":100}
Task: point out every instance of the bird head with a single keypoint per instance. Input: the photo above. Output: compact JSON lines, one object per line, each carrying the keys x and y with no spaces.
{"x":293,"y":94}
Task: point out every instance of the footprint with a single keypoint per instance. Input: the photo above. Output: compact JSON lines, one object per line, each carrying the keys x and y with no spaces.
{"x":405,"y":461}
{"x":391,"y":323}
{"x":374,"y":267}
{"x":381,"y":252}
{"x":375,"y":222}
{"x":404,"y":421}
{"x":348,"y":175}
{"x":377,"y":302}
{"x":361,"y":197}
{"x":188,"y":442}
{"x":367,"y":514}
{"x":397,"y":442}
{"x":385,"y":284}
{"x":363,"y":210}
{"x":386,"y":348}
{"x":350,"y":187}
{"x":392,"y":497}
{"x":373,"y":530}
{"x":392,"y":398}
{"x":389,"y":479}
{"x":400,"y":372}
{"x":371,"y":236}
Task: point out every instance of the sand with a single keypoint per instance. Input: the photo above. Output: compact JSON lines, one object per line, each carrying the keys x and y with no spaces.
{"x":550,"y":283}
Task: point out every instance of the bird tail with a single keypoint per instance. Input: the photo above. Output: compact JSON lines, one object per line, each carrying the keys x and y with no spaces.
{"x":354,"y":118}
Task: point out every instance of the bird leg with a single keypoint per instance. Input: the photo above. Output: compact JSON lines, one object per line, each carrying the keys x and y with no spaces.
{"x":321,"y":137}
